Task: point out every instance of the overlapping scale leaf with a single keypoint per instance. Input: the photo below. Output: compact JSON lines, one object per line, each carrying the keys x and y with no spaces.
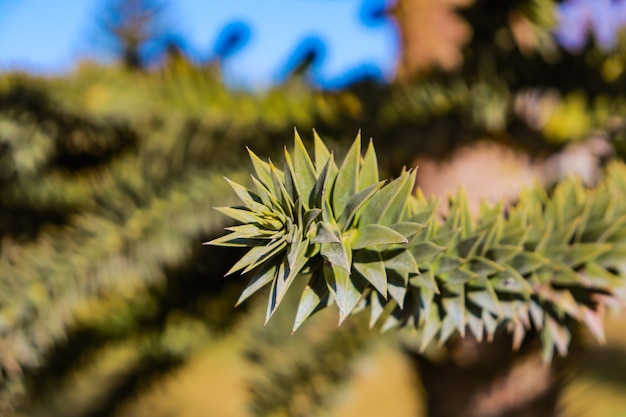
{"x":329,"y":208}
{"x":550,"y":260}
{"x":554,"y":260}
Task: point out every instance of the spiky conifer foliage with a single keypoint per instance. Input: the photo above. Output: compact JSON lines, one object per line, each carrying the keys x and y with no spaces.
{"x":548,"y":261}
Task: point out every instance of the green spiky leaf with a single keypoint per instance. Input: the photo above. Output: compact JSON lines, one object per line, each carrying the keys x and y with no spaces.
{"x":552,"y":259}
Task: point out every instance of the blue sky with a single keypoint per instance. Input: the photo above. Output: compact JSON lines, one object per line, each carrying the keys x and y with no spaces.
{"x":48,"y":36}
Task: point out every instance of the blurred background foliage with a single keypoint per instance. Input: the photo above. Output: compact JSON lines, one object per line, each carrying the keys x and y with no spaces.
{"x":109,"y":306}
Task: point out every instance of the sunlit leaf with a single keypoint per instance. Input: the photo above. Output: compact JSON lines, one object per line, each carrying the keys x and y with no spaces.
{"x":338,"y":254}
{"x":326,"y":233}
{"x":345,"y":289}
{"x":258,"y":254}
{"x":319,"y":189}
{"x":356,"y":202}
{"x":396,"y":286}
{"x":426,"y":251}
{"x":376,"y":234}
{"x":240,"y":214}
{"x":303,"y":167}
{"x":264,"y":276}
{"x":368,"y":173}
{"x":314,"y":298}
{"x":346,"y":182}
{"x":370,"y":265}
{"x":378,"y":205}
{"x":400,"y":260}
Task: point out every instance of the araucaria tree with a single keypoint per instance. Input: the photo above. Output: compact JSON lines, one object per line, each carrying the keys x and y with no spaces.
{"x":545,"y":263}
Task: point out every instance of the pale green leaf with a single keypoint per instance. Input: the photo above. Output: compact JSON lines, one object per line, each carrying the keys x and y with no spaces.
{"x":425,"y":214}
{"x":284,"y":279}
{"x":407,"y":229}
{"x":511,"y":281}
{"x":503,"y":254}
{"x":536,"y":314}
{"x":615,"y":226}
{"x":263,"y":277}
{"x":338,"y":254}
{"x":400,"y":260}
{"x":257,"y":255}
{"x":595,"y":276}
{"x":494,"y":234}
{"x":314,"y":298}
{"x":491,"y":325}
{"x":321,"y":153}
{"x":273,"y":302}
{"x":425,"y":280}
{"x":262,"y":170}
{"x":528,"y":262}
{"x":318,"y":196}
{"x":393,"y":320}
{"x":455,"y":307}
{"x":290,"y":177}
{"x":458,"y":276}
{"x":565,"y":233}
{"x":250,"y":199}
{"x":326,"y":233}
{"x":484,"y":267}
{"x":241,"y":214}
{"x":266,"y":197}
{"x":370,"y":264}
{"x":368,"y":173}
{"x":448,"y":326}
{"x":377,"y":206}
{"x":398,"y":204}
{"x":304,"y":169}
{"x":251,"y":231}
{"x":486,"y":301}
{"x":426,"y":300}
{"x":300,"y":215}
{"x":375,"y":234}
{"x":356,"y":202}
{"x":426,"y":251}
{"x":396,"y":286}
{"x":559,"y":335}
{"x":468,"y":247}
{"x":363,"y":301}
{"x":321,"y":156}
{"x":309,"y":217}
{"x":577,"y":254}
{"x":235,"y":240}
{"x":346,"y":182}
{"x":446,"y":263}
{"x":466,"y":219}
{"x":431,"y":327}
{"x":294,"y":249}
{"x":377,"y":307}
{"x":476,"y":326}
{"x":345,"y":289}
{"x":281,"y":192}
